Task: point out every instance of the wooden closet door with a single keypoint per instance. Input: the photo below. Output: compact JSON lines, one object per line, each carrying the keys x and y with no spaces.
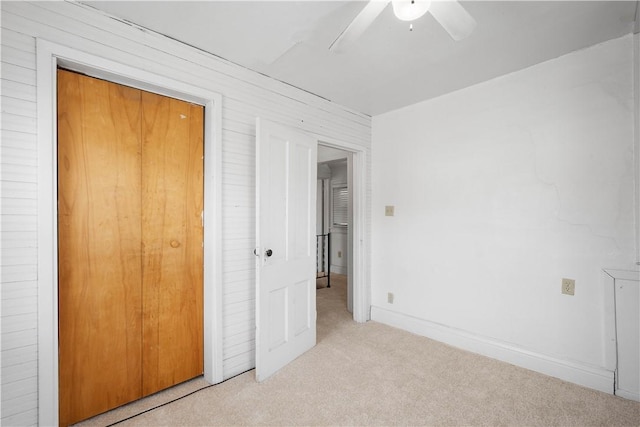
{"x":130,"y":195}
{"x":99,"y":232}
{"x":172,"y":241}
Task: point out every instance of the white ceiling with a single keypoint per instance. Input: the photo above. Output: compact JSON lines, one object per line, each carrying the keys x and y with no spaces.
{"x":389,"y":66}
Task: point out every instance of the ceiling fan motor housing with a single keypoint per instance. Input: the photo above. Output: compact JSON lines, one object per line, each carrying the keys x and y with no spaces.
{"x":409,"y":10}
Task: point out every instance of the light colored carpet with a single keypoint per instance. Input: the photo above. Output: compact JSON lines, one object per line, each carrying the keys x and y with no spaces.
{"x":372,"y":374}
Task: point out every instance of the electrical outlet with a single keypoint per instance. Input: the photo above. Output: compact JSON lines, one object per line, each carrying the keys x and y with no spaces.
{"x":389,"y":210}
{"x":568,"y":286}
{"x":390,"y":298}
{"x":339,"y":254}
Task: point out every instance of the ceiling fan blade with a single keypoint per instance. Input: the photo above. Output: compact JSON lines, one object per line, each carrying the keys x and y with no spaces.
{"x":454,"y":18}
{"x":359,"y":24}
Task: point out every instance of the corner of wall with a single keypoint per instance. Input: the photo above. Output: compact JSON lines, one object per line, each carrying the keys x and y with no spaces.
{"x":636,"y":137}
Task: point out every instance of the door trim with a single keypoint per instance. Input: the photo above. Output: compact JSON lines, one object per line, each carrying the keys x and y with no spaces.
{"x":361,"y":288}
{"x":49,"y":57}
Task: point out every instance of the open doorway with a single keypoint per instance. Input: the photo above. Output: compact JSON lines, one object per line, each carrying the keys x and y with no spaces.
{"x":334,"y":235}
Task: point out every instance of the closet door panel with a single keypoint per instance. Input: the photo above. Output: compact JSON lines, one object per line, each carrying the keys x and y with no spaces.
{"x":99,"y":253}
{"x":172,"y":240}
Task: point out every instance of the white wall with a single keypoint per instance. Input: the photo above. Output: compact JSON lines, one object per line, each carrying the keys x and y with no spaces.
{"x":245,"y":96}
{"x":500,"y":191}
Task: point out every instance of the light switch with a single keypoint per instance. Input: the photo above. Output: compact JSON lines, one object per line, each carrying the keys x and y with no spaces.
{"x":389,"y":210}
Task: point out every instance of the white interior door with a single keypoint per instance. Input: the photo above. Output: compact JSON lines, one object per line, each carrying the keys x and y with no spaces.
{"x":285,"y":245}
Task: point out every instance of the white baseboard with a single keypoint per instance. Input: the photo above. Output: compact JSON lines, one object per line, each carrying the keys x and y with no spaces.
{"x":628,"y":394}
{"x":338,"y":269}
{"x":575,"y":372}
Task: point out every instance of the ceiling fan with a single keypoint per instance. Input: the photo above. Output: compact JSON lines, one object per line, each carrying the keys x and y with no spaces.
{"x":450,"y":14}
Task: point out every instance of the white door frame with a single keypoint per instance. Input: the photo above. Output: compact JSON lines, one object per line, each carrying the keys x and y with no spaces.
{"x":49,"y":57}
{"x":361,"y":289}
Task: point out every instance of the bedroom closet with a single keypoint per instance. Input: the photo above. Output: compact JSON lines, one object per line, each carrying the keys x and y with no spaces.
{"x":130,"y":244}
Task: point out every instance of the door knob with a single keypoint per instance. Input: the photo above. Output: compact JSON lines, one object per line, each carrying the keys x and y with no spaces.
{"x":269,"y":252}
